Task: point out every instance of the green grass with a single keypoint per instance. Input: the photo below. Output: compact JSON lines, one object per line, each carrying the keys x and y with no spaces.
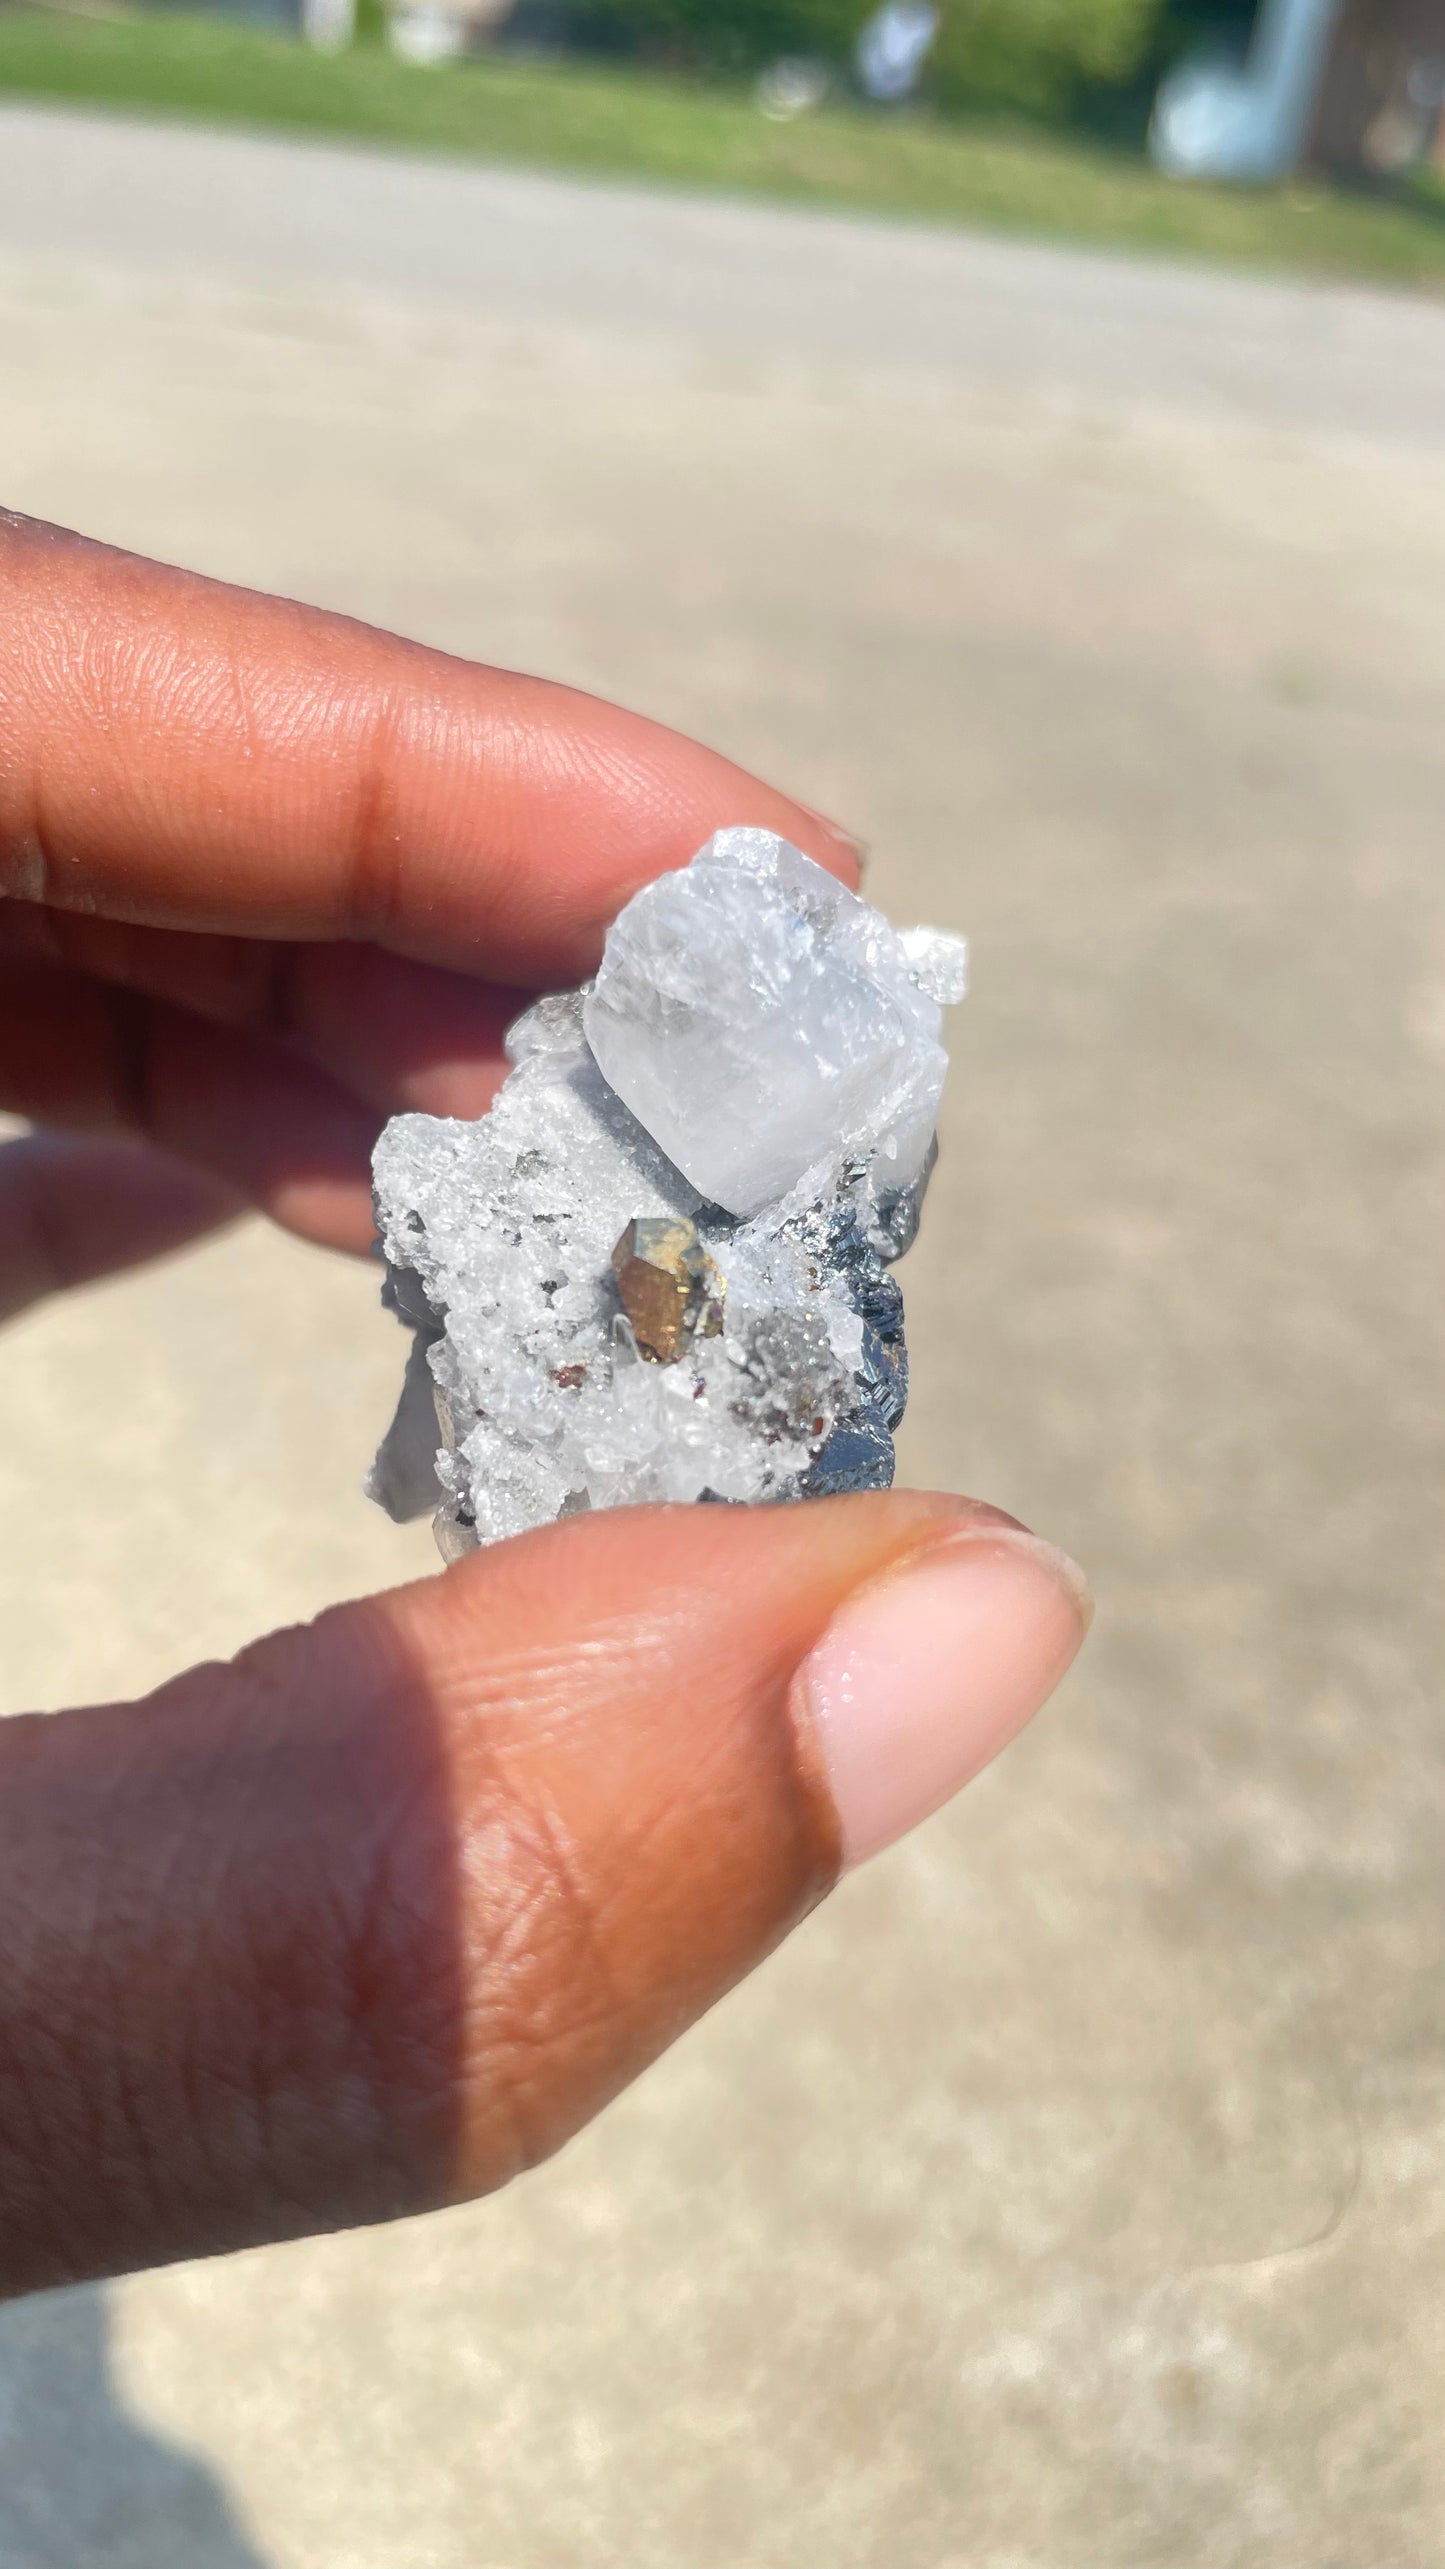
{"x":642,"y":126}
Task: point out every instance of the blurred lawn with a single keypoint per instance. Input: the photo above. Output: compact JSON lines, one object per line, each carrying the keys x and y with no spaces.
{"x":643,"y":126}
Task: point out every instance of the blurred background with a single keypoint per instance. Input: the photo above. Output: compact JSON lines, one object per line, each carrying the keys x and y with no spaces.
{"x":1018,"y":429}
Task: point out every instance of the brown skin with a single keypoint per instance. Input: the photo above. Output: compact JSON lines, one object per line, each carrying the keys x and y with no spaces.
{"x":376,"y":1916}
{"x":382,"y":1911}
{"x":72,"y":1208}
{"x":273,"y":875}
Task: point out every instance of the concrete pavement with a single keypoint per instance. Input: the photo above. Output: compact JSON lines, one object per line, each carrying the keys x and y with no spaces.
{"x":1069,"y":2194}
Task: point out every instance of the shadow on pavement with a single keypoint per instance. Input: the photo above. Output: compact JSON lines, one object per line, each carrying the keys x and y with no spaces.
{"x":80,"y":2478}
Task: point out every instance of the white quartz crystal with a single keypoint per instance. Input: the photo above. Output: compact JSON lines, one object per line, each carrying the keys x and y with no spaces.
{"x":759,"y":1059}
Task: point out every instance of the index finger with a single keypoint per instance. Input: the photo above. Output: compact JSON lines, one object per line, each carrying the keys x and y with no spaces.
{"x":182,"y":754}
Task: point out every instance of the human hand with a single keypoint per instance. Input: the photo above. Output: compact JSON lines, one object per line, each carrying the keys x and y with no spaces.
{"x":375,"y":1915}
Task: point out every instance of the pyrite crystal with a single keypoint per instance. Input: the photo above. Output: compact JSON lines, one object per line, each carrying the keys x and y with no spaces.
{"x":669,"y":1287}
{"x":657,"y":1268}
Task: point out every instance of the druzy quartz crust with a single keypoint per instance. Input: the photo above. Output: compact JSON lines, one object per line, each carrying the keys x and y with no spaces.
{"x":657,"y":1268}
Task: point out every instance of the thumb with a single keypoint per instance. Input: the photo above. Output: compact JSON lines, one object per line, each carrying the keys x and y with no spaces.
{"x":376,"y":1915}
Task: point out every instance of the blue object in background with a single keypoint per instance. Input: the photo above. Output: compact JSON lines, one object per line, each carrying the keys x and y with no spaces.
{"x":1246,"y":121}
{"x":893,"y":48}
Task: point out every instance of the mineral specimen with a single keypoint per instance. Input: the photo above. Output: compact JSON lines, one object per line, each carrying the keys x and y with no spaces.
{"x":657,"y":1268}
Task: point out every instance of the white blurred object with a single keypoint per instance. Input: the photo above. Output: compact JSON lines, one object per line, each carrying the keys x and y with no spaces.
{"x":792,"y":86}
{"x":1246,"y":122}
{"x":427,"y":35}
{"x":329,"y":25}
{"x":893,"y":48}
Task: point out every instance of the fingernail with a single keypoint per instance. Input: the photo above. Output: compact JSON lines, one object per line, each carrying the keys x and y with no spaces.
{"x":843,"y":840}
{"x":924,"y":1676}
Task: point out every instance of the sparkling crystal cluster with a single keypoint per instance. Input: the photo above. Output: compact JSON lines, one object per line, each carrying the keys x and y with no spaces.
{"x":657,"y":1268}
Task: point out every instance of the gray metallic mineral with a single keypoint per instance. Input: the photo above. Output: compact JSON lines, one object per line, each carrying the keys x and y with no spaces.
{"x":657,"y":1268}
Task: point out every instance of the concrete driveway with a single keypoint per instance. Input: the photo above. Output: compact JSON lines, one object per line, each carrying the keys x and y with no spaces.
{"x":1071,"y":2193}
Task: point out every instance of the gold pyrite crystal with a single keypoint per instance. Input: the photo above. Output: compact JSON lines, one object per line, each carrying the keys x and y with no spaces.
{"x":670,"y":1289}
